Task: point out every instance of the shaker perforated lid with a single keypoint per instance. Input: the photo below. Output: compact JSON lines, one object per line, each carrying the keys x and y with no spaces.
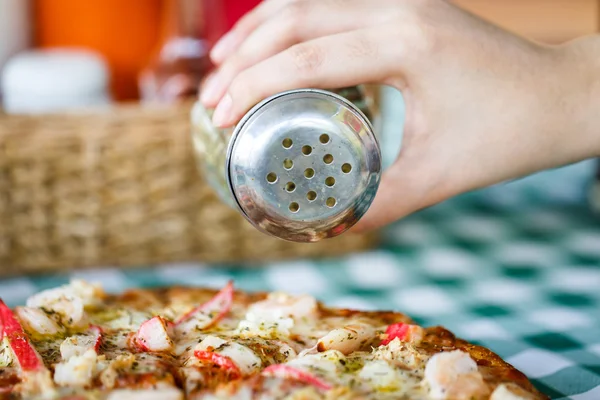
{"x":303,"y":165}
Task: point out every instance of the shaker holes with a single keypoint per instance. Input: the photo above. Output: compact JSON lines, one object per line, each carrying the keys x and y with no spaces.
{"x":288,"y":164}
{"x":324,"y":138}
{"x":346,"y":168}
{"x":331,"y":202}
{"x":309,"y":173}
{"x":290,"y":187}
{"x":312,"y":195}
{"x":306,"y":150}
{"x":294,"y":207}
{"x":327,"y":158}
{"x":271,"y":177}
{"x":287,"y":143}
{"x":330,"y":181}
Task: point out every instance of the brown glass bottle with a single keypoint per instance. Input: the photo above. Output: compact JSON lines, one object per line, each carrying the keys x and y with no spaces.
{"x":181,"y":62}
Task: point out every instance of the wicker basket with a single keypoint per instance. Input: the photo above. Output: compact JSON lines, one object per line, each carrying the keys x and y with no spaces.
{"x":120,"y":187}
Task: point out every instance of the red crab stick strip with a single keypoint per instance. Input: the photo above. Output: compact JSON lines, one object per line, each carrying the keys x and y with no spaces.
{"x":211,"y":312}
{"x":402,"y":331}
{"x":222,"y":361}
{"x":27,"y":357}
{"x":288,"y":372}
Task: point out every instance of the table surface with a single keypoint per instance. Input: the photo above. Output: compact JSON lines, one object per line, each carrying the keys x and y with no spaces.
{"x":515,"y":267}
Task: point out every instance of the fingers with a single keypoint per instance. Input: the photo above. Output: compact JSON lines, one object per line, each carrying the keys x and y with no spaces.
{"x":229,"y":43}
{"x":297,"y":22}
{"x":334,"y":61}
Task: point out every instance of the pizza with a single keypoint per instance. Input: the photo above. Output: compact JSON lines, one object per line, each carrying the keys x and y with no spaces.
{"x":77,"y":342}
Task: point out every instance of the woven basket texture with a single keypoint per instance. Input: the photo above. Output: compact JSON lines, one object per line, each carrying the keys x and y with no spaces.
{"x":121,"y":187}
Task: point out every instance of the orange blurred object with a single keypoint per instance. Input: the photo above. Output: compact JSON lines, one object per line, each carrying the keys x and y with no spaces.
{"x":125,"y":32}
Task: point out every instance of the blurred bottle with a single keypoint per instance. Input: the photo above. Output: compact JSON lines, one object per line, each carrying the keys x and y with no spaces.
{"x":14,"y":28}
{"x":190,"y":28}
{"x":235,"y":9}
{"x":124,"y":32}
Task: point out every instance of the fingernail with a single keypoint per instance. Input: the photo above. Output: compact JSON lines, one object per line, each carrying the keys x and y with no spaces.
{"x":221,"y":49}
{"x":223,"y":111}
{"x":209,"y":90}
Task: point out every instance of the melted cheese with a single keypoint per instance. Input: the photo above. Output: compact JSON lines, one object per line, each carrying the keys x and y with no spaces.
{"x":401,"y":353}
{"x":76,"y":345}
{"x":38,"y":385}
{"x":244,"y":393}
{"x":327,"y":365}
{"x":194,"y":324}
{"x":252,"y":326}
{"x":77,"y":371}
{"x":509,"y":391}
{"x":275,"y":316}
{"x":6,"y":354}
{"x":146,"y":394}
{"x":109,"y":374}
{"x":381,"y":376}
{"x":121,"y":318}
{"x":192,"y":377}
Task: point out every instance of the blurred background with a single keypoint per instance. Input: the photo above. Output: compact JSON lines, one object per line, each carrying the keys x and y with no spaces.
{"x":96,"y":165}
{"x":130,"y":50}
{"x":94,"y":131}
{"x":149,"y":49}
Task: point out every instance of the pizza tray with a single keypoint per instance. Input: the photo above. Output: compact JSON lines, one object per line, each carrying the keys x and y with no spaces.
{"x":121,"y":187}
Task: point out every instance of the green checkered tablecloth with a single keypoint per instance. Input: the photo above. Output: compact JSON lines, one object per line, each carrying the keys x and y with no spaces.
{"x":514,"y":267}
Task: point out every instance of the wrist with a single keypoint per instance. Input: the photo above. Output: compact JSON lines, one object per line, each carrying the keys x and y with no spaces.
{"x":579,"y":72}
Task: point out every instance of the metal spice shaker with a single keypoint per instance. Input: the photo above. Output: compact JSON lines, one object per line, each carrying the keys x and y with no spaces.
{"x":302,"y":165}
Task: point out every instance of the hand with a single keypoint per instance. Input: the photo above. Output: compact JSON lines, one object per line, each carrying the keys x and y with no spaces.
{"x":483,"y":105}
